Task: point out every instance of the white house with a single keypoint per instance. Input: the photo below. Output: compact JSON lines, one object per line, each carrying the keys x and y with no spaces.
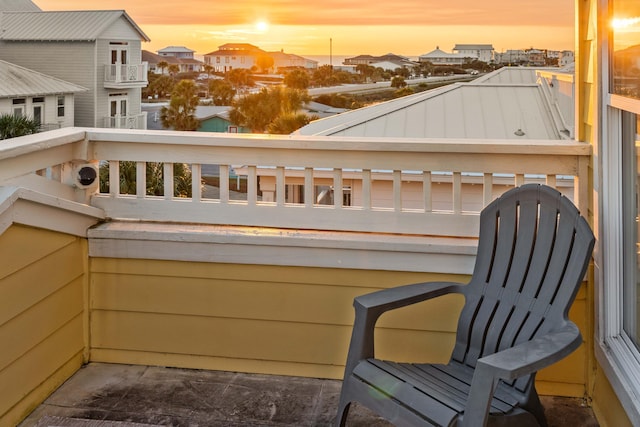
{"x":440,"y":57}
{"x":99,"y":50}
{"x":482,"y":52}
{"x":176,"y":52}
{"x":233,"y":55}
{"x":48,"y":100}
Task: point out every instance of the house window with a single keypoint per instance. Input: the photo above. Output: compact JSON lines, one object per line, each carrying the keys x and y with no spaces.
{"x":60,"y":105}
{"x":38,"y":110}
{"x":18,"y":107}
{"x":625,"y":60}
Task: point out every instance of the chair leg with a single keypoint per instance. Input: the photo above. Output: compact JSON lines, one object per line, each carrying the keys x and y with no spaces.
{"x":343,"y":411}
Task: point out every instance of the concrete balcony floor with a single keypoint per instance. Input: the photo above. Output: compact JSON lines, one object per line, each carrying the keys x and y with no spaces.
{"x":110,"y":395}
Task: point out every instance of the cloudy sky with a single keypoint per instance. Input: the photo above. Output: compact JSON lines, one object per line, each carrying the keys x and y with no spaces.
{"x":408,"y":27}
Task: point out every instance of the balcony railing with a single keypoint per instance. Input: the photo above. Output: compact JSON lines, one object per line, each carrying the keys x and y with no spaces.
{"x":450,"y":180}
{"x":125,"y":75}
{"x":135,"y":121}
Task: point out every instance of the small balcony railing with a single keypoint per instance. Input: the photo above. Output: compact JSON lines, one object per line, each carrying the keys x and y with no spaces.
{"x":134,"y":121}
{"x":125,"y":75}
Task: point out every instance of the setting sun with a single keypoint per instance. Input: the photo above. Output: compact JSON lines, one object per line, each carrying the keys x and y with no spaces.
{"x":262,"y":26}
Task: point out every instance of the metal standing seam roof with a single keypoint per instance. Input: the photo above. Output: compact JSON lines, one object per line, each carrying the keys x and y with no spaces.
{"x":85,"y":25}
{"x":16,"y":81}
{"x":18,"y":5}
{"x":483,"y":110}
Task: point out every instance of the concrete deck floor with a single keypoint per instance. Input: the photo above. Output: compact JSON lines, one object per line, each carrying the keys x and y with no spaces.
{"x":185,"y":397}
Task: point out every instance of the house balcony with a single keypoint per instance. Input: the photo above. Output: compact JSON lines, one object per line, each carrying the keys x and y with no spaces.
{"x":124,"y":76}
{"x":112,"y":257}
{"x":134,"y":121}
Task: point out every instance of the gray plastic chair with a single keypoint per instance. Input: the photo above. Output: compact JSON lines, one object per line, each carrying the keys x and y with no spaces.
{"x":533,"y":252}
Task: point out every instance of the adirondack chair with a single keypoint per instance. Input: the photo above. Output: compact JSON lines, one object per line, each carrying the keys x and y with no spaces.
{"x":533,"y":251}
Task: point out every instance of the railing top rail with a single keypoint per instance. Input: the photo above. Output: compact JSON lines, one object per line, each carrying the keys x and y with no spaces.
{"x":423,"y":145}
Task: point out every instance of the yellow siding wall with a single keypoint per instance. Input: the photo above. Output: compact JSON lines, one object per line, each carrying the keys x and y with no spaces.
{"x":268,"y":319}
{"x":42,"y":340}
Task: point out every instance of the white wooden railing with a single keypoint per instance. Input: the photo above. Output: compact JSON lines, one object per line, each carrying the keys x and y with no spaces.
{"x":135,"y":121}
{"x":465,"y":169}
{"x":126,"y":73}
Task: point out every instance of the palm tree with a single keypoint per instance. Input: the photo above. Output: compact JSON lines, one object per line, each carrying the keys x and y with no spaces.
{"x":180,"y":114}
{"x":163,"y":65}
{"x":12,"y":126}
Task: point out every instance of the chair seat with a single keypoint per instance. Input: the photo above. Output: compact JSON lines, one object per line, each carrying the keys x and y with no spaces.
{"x":437,"y":393}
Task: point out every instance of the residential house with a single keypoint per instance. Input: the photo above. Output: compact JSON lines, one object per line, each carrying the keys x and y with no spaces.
{"x":234,"y":55}
{"x":537,"y":57}
{"x":370,"y":60}
{"x":185,"y":65}
{"x":98,"y":50}
{"x":283,"y":61}
{"x":440,"y":57}
{"x":511,"y":57}
{"x":47,"y":100}
{"x":267,"y":287}
{"x":216,"y":119}
{"x":481,"y":52}
{"x":566,"y":58}
{"x":177,"y":52}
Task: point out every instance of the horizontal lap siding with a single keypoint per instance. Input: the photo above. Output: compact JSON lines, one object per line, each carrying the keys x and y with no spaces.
{"x":285,"y":320}
{"x":41,"y":316}
{"x":268,"y":319}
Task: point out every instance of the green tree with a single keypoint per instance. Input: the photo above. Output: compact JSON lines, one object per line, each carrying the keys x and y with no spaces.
{"x":174,"y":69}
{"x":240,"y":78}
{"x":398,"y":81}
{"x":163,"y":66}
{"x":155,"y":179}
{"x":285,"y":124}
{"x":265,"y":63}
{"x":323,"y":76}
{"x":297,"y":79}
{"x":257,"y":111}
{"x":180,"y":114}
{"x":221,"y":91}
{"x":12,"y":126}
{"x":161,"y":86}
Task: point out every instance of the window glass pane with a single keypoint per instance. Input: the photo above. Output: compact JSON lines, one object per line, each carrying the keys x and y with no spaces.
{"x":626,"y":48}
{"x":631,"y":214}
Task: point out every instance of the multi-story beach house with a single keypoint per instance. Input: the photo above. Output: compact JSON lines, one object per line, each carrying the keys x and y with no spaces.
{"x":98,"y":50}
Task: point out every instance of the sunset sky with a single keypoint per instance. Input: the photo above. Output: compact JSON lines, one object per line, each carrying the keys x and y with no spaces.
{"x":406,"y":27}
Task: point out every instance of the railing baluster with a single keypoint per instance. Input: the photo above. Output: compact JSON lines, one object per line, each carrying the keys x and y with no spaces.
{"x":168,"y":180}
{"x":551,"y":181}
{"x":196,"y":182}
{"x":487,"y":189}
{"x":337,"y":188}
{"x":366,"y":189}
{"x":308,"y":187}
{"x":397,"y":190}
{"x":280,"y":186}
{"x":114,"y":178}
{"x":427,"y":191}
{"x":141,"y":179}
{"x":457,"y":192}
{"x":252,"y":186}
{"x":223,"y":171}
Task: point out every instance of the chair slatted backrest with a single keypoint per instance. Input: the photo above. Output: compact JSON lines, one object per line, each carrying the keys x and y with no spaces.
{"x":533,"y":251}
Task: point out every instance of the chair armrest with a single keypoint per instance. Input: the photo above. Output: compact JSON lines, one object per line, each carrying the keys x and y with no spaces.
{"x":522,"y":359}
{"x":371,"y":306}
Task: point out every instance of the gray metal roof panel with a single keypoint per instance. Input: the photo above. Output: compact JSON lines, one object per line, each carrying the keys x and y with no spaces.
{"x":469,"y":110}
{"x":16,"y":81}
{"x":84,"y":25}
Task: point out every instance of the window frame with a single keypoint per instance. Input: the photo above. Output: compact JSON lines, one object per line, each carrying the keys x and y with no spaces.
{"x":615,"y":351}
